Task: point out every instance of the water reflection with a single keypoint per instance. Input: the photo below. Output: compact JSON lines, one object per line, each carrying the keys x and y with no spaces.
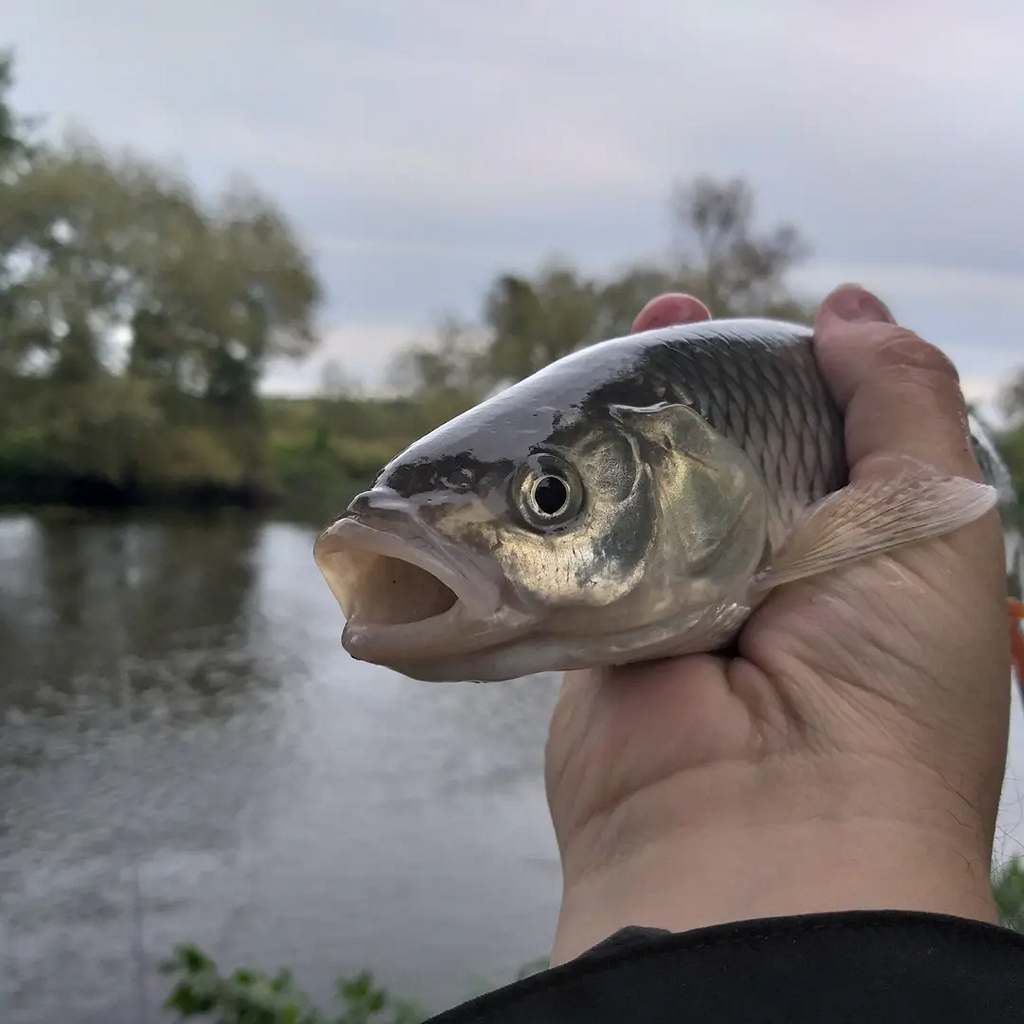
{"x":185,"y":752}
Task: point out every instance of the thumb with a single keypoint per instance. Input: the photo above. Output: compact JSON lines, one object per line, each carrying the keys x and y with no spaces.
{"x":900,"y":396}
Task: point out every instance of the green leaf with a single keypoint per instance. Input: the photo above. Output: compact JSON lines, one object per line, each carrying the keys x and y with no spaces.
{"x":1008,"y":892}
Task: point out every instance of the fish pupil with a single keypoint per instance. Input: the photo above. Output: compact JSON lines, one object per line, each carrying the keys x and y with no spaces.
{"x":551,"y":495}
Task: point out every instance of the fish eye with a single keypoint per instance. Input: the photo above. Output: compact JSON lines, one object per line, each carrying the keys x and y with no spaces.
{"x":547,"y":492}
{"x":550,"y":495}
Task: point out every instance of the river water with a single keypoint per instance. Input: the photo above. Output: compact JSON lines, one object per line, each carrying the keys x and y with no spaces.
{"x":187,"y":754}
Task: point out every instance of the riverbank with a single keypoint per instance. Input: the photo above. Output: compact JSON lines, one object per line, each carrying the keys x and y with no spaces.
{"x":121,"y":442}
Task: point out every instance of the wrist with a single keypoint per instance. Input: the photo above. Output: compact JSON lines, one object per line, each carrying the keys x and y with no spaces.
{"x":799,"y":835}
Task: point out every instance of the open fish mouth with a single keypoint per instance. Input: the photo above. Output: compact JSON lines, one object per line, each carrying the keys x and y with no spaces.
{"x":402,"y":598}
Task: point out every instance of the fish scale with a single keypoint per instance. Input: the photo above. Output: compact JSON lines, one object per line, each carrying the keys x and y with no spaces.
{"x":765,"y":394}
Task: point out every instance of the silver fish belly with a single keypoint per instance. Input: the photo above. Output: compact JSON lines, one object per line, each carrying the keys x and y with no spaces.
{"x":632,"y":500}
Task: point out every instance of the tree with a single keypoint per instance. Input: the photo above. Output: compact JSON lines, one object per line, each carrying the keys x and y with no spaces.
{"x":135,"y":321}
{"x":1012,"y":399}
{"x":13,"y":145}
{"x":531,"y":321}
{"x":100,"y":251}
{"x":12,"y":140}
{"x":624,"y":296}
{"x":735,"y":271}
{"x":451,"y":364}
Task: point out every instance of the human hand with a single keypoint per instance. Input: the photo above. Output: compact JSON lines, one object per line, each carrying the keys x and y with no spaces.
{"x":851,"y":755}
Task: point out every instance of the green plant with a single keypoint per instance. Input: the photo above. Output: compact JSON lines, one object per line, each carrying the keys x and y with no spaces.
{"x":1008,"y":890}
{"x":254,"y":997}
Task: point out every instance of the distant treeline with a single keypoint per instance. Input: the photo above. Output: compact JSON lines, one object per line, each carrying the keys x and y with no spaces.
{"x":136,"y":321}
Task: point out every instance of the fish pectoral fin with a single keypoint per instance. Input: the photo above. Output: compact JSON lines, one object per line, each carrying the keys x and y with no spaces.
{"x":869,"y":517}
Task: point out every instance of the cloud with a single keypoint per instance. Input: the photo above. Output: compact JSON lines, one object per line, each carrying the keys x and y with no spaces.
{"x":422,"y":149}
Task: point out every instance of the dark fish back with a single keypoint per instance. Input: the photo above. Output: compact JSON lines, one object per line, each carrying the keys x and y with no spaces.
{"x":757,"y":382}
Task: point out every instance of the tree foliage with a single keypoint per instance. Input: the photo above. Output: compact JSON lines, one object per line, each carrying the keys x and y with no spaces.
{"x":534,"y":322}
{"x":255,"y":997}
{"x":1008,"y":891}
{"x":13,"y":142}
{"x":529,"y":321}
{"x":449,"y":364}
{"x":1011,"y":446}
{"x":735,"y":270}
{"x":1012,"y":400}
{"x":135,"y":321}
{"x":97,"y":251}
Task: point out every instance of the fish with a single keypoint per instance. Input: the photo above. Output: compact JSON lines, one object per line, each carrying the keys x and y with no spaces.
{"x":635,"y":499}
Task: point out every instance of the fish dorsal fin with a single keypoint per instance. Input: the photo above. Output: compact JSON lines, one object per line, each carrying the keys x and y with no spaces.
{"x":871,"y":516}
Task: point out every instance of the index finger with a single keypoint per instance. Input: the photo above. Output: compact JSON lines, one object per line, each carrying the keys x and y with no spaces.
{"x":669,"y":309}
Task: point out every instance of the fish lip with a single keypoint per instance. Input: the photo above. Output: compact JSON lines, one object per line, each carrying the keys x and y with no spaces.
{"x":469,"y":623}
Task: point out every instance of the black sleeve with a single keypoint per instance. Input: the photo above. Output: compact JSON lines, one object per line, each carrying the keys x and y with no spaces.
{"x":872,"y":967}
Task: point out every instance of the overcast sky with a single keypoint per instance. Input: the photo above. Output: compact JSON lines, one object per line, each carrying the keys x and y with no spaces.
{"x":420,"y":148}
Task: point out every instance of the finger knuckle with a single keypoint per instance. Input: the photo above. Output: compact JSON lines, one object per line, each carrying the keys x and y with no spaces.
{"x":935,"y":386}
{"x":901,"y":347}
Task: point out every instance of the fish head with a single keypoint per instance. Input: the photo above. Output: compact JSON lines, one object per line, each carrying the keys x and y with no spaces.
{"x":515,"y":540}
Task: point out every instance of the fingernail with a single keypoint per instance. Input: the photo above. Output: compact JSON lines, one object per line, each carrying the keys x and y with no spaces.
{"x":857,"y":305}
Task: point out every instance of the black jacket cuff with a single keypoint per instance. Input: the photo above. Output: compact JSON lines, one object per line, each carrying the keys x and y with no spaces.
{"x":876,"y":966}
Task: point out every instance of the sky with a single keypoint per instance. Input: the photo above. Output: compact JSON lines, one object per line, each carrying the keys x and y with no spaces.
{"x":420,"y":148}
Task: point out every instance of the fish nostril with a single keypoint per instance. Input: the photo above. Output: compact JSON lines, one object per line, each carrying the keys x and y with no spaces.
{"x":360,"y":503}
{"x":377,"y":503}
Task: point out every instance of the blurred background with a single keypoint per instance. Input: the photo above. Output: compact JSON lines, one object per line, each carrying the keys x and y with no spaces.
{"x":250,"y":251}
